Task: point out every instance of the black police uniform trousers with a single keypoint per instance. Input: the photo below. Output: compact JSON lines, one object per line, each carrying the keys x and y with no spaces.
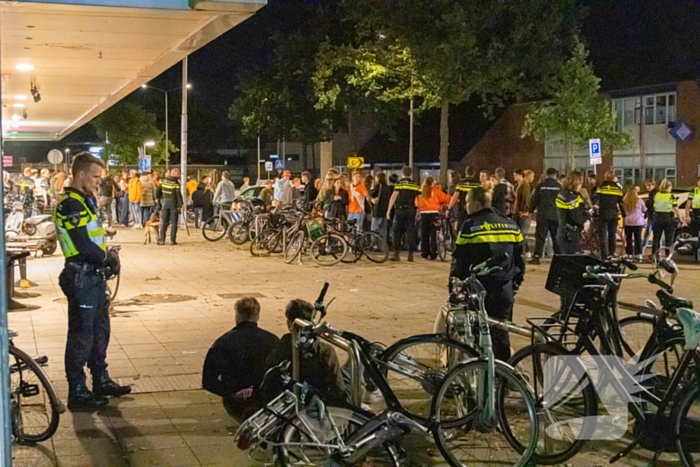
{"x":405,"y":222}
{"x":607,"y":235}
{"x":499,"y":305}
{"x":569,"y":239}
{"x":88,"y":323}
{"x":663,"y":224}
{"x":695,"y":230}
{"x":428,"y":235}
{"x":171,"y":216}
{"x":544,"y":227}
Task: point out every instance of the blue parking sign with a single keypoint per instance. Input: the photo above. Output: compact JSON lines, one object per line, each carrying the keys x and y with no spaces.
{"x":594,"y":151}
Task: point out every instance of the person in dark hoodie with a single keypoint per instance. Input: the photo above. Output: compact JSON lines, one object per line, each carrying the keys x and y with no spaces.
{"x":310,"y":192}
{"x":198,"y":203}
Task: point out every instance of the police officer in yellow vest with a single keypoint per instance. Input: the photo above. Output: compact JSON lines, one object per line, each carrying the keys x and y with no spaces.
{"x":486,"y":234}
{"x":692,"y":215}
{"x":83,"y":281}
{"x":26,"y":185}
{"x":665,"y":211}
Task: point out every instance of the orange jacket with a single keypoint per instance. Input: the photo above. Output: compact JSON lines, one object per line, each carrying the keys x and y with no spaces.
{"x":435,"y":202}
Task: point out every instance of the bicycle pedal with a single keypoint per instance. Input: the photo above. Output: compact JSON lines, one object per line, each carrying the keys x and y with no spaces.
{"x":623,"y":453}
{"x":29,"y":390}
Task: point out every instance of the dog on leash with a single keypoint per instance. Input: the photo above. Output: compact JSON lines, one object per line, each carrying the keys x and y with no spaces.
{"x":152,"y":227}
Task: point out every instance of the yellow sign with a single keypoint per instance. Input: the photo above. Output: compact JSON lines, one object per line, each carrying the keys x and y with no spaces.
{"x":356,"y":162}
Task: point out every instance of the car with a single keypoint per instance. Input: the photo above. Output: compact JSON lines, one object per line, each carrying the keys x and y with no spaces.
{"x":251,"y":194}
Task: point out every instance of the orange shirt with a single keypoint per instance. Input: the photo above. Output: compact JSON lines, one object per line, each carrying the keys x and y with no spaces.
{"x":354,"y":206}
{"x":435,"y":202}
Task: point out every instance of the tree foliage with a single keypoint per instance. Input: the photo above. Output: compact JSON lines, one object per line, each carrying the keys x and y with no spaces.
{"x":127,"y":126}
{"x":576,"y":112}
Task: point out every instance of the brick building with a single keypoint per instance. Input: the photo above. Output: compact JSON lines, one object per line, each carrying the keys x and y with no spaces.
{"x":663,"y":120}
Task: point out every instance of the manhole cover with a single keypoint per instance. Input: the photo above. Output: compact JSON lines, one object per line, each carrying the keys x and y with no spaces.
{"x":163,"y":383}
{"x":229,"y":296}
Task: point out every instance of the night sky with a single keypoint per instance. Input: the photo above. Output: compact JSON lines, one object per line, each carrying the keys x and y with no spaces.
{"x":632,"y":43}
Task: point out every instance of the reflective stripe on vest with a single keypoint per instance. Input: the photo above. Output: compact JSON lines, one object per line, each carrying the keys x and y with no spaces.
{"x":663,"y":202}
{"x":87,"y":219}
{"x":696,"y":198}
{"x":492,"y":236}
{"x":573,"y":204}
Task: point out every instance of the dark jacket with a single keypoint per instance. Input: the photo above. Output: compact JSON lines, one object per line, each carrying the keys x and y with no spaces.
{"x":237,"y":359}
{"x":608,"y":198}
{"x":108,"y":188}
{"x":544,"y":199}
{"x":486,"y":234}
{"x":335,"y":208}
{"x":207,"y":204}
{"x":383,"y":192}
{"x":310,"y":194}
{"x":571,"y":210}
{"x":198,"y":195}
{"x":523,"y":199}
{"x":169,"y":193}
{"x":319,"y":366}
{"x":650,"y":203}
{"x":503,"y":198}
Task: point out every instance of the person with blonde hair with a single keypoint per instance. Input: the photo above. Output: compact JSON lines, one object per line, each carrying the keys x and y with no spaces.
{"x":665,"y":214}
{"x":572,"y":214}
{"x":634,"y":223}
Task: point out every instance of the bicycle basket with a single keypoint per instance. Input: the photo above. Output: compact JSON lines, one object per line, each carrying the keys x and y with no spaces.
{"x":316,"y":228}
{"x":565,"y":276}
{"x":276,"y":220}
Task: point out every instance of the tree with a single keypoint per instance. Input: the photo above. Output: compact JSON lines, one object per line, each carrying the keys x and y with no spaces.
{"x":491,"y":49}
{"x":127,"y":126}
{"x":577,"y":112}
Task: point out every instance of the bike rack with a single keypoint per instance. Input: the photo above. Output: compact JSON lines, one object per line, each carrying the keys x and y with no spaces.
{"x":334,"y":340}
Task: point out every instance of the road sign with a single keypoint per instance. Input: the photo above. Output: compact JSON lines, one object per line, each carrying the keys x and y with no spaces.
{"x":356,"y":162}
{"x":55,"y":156}
{"x":269,"y":166}
{"x":145,"y":164}
{"x":7,"y":161}
{"x":594,"y":151}
{"x":279,"y":165}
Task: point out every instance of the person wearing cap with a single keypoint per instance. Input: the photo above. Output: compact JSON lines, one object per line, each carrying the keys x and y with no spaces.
{"x":284,"y":189}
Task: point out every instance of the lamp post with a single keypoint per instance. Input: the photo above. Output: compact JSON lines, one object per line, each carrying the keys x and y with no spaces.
{"x":167,"y":140}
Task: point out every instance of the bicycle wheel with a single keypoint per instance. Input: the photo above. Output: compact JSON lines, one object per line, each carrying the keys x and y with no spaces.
{"x":297,"y":445}
{"x":374,"y":247}
{"x":214,"y":229}
{"x":686,"y":416}
{"x":294,"y":246}
{"x":33,"y":401}
{"x":415,"y":367}
{"x":329,"y":249}
{"x":354,"y":252}
{"x":566,"y":409}
{"x":662,"y":362}
{"x":266,"y":243}
{"x":113,"y":287}
{"x":635,"y":331}
{"x":463,"y":438}
{"x":441,"y":245}
{"x":238,"y":232}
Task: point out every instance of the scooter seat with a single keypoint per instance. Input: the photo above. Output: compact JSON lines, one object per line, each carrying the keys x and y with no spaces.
{"x":36,"y":220}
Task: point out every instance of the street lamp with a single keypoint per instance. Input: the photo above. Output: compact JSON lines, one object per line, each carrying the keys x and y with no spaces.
{"x":149,"y":144}
{"x":167,"y":140}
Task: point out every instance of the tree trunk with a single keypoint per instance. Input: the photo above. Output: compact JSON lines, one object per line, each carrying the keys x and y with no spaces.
{"x":444,"y":141}
{"x":569,"y":156}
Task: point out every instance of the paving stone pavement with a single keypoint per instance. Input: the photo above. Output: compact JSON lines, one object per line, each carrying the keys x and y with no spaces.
{"x":156,"y":337}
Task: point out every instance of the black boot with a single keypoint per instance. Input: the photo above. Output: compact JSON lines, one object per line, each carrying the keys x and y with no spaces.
{"x":161,"y":242}
{"x":535,"y":260}
{"x":81,"y":399}
{"x":173,"y":242}
{"x":105,"y":386}
{"x":394,"y":256}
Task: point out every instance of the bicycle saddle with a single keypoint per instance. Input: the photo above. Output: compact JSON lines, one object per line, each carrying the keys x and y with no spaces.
{"x":671,"y":303}
{"x":352,"y":222}
{"x":690,"y":320}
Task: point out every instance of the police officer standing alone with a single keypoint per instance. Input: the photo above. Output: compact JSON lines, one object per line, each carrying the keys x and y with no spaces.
{"x":83,"y":281}
{"x":170,"y":198}
{"x":608,"y":199}
{"x":572,"y":214}
{"x":405,"y":193}
{"x":544,"y":203}
{"x":487,"y":234}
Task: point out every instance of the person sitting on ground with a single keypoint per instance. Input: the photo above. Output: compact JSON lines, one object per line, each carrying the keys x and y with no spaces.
{"x":235,"y":364}
{"x":319,"y":364}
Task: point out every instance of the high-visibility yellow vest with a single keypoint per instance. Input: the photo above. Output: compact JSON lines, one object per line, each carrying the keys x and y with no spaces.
{"x":87,"y":219}
{"x":664,"y":202}
{"x":696,"y":198}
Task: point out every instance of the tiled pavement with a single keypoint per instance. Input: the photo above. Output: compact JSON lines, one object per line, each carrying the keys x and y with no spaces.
{"x":150,"y":340}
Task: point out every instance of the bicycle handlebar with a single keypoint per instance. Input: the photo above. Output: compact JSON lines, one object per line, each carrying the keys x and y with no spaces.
{"x":621,"y":261}
{"x":655,"y":280}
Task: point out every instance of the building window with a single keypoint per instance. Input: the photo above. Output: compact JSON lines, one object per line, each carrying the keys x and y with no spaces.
{"x":671,"y":175}
{"x":649,"y":110}
{"x":629,"y":112}
{"x":659,"y":109}
{"x":671,"y":108}
{"x":617,"y":105}
{"x":292,"y":157}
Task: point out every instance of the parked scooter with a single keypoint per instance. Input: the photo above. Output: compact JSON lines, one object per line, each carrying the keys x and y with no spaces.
{"x":35,"y":231}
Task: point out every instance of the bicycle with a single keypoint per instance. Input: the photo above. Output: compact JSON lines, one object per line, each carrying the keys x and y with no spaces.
{"x":307,"y":431}
{"x":271,"y":240}
{"x":35,"y":407}
{"x":569,"y":408}
{"x":216,"y":226}
{"x":445,"y":240}
{"x":240,"y":231}
{"x":113,"y":280}
{"x":590,"y":240}
{"x":368,"y":243}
